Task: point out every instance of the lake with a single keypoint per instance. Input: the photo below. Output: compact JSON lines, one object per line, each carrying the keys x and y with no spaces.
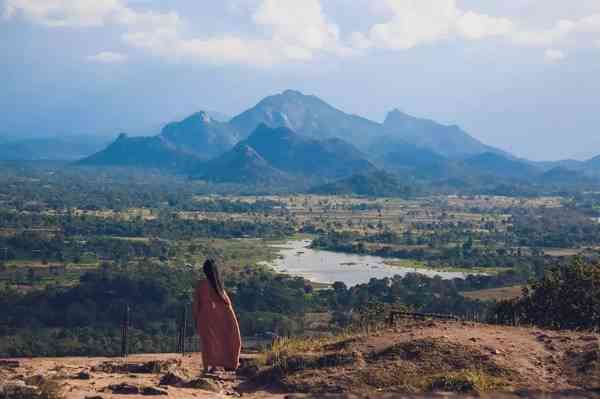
{"x":297,"y":259}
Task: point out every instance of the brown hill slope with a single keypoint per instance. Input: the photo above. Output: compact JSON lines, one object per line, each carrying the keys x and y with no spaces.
{"x":414,"y":358}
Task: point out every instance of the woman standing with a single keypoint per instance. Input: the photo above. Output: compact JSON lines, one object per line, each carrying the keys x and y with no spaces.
{"x":216,"y":323}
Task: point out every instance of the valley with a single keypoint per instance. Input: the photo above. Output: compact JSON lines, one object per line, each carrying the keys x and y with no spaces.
{"x":324,"y":225}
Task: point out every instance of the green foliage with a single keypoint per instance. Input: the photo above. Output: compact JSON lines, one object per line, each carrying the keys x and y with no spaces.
{"x":567,"y":297}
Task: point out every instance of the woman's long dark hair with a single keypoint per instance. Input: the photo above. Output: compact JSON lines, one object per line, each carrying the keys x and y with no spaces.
{"x":214,"y":278}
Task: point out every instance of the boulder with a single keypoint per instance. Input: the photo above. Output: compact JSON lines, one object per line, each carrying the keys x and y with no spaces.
{"x":124,"y":389}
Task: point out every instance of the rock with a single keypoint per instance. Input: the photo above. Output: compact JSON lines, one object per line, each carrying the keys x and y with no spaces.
{"x":18,"y":390}
{"x":82,"y":375}
{"x":588,"y":338}
{"x":93,"y":397}
{"x":248,"y":371}
{"x":155,"y":366}
{"x":36,"y":380}
{"x":9,"y":364}
{"x":152,"y":391}
{"x":204,"y":384}
{"x":473,"y":339}
{"x":173,"y":378}
{"x":124,"y":389}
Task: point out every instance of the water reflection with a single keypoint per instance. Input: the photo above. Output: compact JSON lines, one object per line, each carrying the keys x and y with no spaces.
{"x":296,"y":258}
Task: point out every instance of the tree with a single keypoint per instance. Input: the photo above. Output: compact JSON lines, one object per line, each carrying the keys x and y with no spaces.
{"x":566,"y":297}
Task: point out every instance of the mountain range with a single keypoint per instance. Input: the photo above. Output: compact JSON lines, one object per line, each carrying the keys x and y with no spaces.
{"x":50,"y":148}
{"x":291,"y":136}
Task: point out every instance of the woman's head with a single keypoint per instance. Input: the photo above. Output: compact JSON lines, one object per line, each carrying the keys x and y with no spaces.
{"x":213,"y":276}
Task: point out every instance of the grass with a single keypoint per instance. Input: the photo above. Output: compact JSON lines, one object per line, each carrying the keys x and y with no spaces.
{"x":495,"y":294}
{"x":464,"y":381}
{"x":348,"y":363}
{"x":414,"y":264}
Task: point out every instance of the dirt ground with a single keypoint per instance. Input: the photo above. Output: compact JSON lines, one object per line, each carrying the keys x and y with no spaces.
{"x":522,"y":361}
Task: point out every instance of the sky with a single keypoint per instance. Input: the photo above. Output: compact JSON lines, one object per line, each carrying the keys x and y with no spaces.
{"x":522,"y":75}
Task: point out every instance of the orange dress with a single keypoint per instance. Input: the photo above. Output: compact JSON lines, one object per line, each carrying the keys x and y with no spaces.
{"x":217,"y":327}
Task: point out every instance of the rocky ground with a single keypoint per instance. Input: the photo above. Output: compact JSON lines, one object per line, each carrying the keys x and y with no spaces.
{"x":415,"y":358}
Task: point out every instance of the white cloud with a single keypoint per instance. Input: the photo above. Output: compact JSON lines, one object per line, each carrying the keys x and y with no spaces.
{"x":55,"y":13}
{"x":589,"y":24}
{"x":294,"y":30}
{"x":543,"y":37}
{"x":553,"y":55}
{"x":297,"y":23}
{"x":418,"y":22}
{"x":108,"y":57}
{"x":291,"y":30}
{"x":473,"y":26}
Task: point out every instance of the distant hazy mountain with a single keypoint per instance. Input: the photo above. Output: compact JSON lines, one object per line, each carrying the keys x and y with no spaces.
{"x":200,"y":135}
{"x":179,"y":145}
{"x":300,"y":134}
{"x":593,"y":163}
{"x":449,"y":141}
{"x":243,"y":165}
{"x":570,"y":164}
{"x":306,"y":115}
{"x":143,"y":152}
{"x":562,"y":175}
{"x":396,"y":154}
{"x":281,"y":153}
{"x":293,"y":153}
{"x":377,"y":183}
{"x":498,"y":165}
{"x":51,"y":148}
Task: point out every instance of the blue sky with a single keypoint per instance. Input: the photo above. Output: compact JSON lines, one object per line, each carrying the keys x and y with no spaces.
{"x":520,"y":74}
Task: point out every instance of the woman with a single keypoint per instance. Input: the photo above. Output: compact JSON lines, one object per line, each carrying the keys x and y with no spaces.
{"x":216,"y":322}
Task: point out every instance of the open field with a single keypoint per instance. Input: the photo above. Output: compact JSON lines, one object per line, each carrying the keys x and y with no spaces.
{"x":431,"y":227}
{"x":495,"y":294}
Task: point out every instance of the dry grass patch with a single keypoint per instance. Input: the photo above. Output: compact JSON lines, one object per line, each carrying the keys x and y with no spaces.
{"x":350,"y":364}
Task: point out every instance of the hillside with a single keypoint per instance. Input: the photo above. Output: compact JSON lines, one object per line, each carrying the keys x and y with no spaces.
{"x":201,"y":135}
{"x":142,"y":152}
{"x":499,"y":165}
{"x":281,"y":156}
{"x":241,"y":165}
{"x":307,"y":115}
{"x":51,"y":148}
{"x":449,"y":141}
{"x":412,"y":358}
{"x":375,"y":184}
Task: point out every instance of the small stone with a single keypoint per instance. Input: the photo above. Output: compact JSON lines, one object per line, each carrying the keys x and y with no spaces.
{"x":204,"y":384}
{"x":9,"y":364}
{"x":248,"y":371}
{"x":124,"y":389}
{"x":588,"y":338}
{"x":36,"y":380}
{"x":94,"y":397}
{"x":172,"y":378}
{"x":152,"y":391}
{"x":82,"y":375}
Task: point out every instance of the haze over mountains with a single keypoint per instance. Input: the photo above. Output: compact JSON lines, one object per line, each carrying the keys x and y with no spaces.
{"x":292,"y":136}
